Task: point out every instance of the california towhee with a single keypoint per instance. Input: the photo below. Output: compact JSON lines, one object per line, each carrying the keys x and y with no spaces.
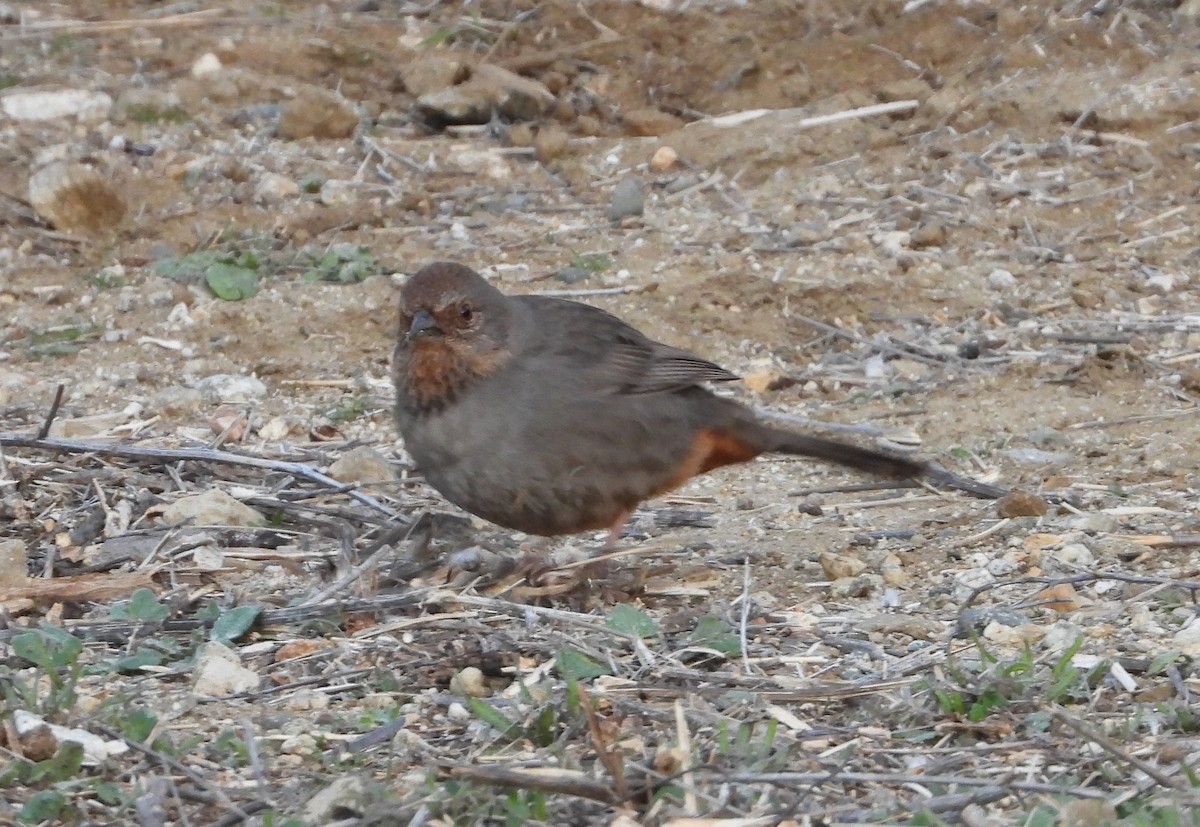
{"x":551,"y":417}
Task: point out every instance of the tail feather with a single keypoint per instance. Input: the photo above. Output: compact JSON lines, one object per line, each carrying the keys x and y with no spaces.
{"x":875,"y":462}
{"x":841,"y":453}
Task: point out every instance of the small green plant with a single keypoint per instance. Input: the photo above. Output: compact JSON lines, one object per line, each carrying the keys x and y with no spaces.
{"x":348,"y":410}
{"x":141,"y":605}
{"x":55,"y":652}
{"x":575,"y":665}
{"x":631,"y":620}
{"x":229,"y":749}
{"x":60,"y":43}
{"x":107,"y":279}
{"x":233,"y":623}
{"x":230,"y":276}
{"x":753,"y":747}
{"x":343,"y":264}
{"x":60,"y":340}
{"x":373,"y":719}
{"x":147,"y":114}
{"x":712,"y":632}
{"x":591,"y":262}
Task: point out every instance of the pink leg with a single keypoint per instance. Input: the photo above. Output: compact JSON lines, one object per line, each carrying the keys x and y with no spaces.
{"x":614,"y":531}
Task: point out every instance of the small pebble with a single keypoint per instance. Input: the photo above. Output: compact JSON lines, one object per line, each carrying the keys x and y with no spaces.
{"x":1001,"y":280}
{"x":1018,"y":503}
{"x":627,"y":199}
{"x":205,"y":65}
{"x":664,"y":158}
{"x":572,"y":275}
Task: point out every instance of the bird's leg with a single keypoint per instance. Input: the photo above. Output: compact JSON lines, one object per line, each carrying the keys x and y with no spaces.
{"x":614,"y":531}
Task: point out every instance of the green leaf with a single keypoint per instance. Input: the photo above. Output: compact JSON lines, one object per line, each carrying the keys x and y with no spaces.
{"x":63,"y":765}
{"x":343,"y":264}
{"x":234,"y":623}
{"x":141,"y":658}
{"x":44,"y":805}
{"x":714,"y":633}
{"x":187,"y":267}
{"x":231,"y":282}
{"x":545,"y":726}
{"x":1160,"y":663}
{"x":438,"y":37}
{"x":489,"y":714}
{"x":143,"y":604}
{"x":985,"y":703}
{"x":592,"y":262}
{"x":575,"y":664}
{"x":49,"y":647}
{"x":631,"y":620}
{"x":110,"y":793}
{"x":138,"y":725}
{"x":209,"y":611}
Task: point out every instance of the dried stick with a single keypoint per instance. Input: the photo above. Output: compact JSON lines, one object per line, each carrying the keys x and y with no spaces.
{"x":377,"y":550}
{"x":44,"y":431}
{"x":195,"y":18}
{"x":1112,"y":748}
{"x":167,"y":761}
{"x":606,"y":751}
{"x":738,"y":118}
{"x":789,"y":779}
{"x":561,"y":782}
{"x":168,"y":455}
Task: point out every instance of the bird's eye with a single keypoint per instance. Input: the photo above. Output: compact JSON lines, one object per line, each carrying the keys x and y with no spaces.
{"x":466,"y":312}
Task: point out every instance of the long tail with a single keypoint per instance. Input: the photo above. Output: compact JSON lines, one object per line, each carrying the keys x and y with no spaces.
{"x":875,"y":462}
{"x":841,"y":453}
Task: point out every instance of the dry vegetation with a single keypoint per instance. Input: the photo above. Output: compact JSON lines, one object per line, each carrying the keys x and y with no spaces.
{"x":996,"y":272}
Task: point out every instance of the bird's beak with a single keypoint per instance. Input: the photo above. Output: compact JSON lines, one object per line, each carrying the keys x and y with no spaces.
{"x":423,"y":324}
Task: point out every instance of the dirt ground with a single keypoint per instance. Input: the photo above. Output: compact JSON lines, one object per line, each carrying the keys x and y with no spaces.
{"x":998,"y":278}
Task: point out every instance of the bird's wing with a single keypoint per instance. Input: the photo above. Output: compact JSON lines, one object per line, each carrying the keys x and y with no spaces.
{"x":611,"y":355}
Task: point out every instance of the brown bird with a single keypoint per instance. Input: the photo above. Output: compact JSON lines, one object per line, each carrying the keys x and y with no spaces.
{"x":552,"y":417}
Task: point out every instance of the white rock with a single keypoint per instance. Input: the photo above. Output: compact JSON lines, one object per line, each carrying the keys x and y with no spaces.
{"x":228,"y":387}
{"x":307,"y":700}
{"x":219,"y":672}
{"x":83,"y":104}
{"x":13,"y":557}
{"x":362,"y":464}
{"x":95,"y":748}
{"x":1000,"y":279}
{"x":486,"y":162}
{"x":973,"y":578}
{"x":1096,"y":522}
{"x":1061,"y":636}
{"x":1011,"y":635}
{"x":276,"y":429}
{"x":895,"y":242}
{"x":273,"y":188}
{"x":208,"y":558}
{"x":213,"y":507}
{"x":207,"y":64}
{"x":1187,"y":639}
{"x":303,"y":744}
{"x":336,"y":193}
{"x":1002,"y":566}
{"x":1075,"y":555}
{"x":876,"y":368}
{"x":345,"y":794}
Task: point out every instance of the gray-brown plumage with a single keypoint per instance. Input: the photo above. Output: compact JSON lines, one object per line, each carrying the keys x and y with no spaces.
{"x":551,"y":417}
